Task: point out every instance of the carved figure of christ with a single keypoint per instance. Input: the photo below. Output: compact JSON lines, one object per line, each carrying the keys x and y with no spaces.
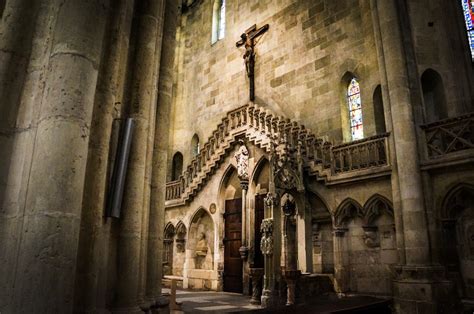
{"x":248,"y":40}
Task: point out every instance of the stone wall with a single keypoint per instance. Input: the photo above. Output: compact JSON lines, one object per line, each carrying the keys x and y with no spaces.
{"x":302,"y":65}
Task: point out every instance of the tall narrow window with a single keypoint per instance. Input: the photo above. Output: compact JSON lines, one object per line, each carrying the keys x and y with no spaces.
{"x":468,"y":10}
{"x":355,"y":110}
{"x":195,"y":145}
{"x":218,"y":20}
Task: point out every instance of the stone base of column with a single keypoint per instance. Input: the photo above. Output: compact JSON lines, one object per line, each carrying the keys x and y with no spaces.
{"x":161,"y":306}
{"x":269,"y":299}
{"x":424,"y":289}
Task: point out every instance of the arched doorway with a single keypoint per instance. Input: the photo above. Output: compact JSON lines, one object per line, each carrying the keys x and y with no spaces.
{"x":232,"y":194}
{"x":457,"y":222}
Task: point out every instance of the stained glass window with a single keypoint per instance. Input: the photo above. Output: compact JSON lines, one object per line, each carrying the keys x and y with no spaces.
{"x":355,"y":110}
{"x":468,"y":9}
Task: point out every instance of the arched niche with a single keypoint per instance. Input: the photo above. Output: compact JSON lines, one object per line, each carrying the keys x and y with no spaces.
{"x":434,"y":98}
{"x":200,"y":242}
{"x":322,"y":242}
{"x":194,"y":145}
{"x":168,"y":241}
{"x":457,"y":231}
{"x":379,"y":115}
{"x":177,"y":166}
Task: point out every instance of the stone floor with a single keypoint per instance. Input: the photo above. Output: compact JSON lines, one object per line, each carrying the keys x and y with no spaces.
{"x":209,"y":301}
{"x":225,"y":302}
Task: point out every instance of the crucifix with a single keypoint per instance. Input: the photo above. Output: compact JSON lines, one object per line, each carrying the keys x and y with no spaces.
{"x":248,"y":40}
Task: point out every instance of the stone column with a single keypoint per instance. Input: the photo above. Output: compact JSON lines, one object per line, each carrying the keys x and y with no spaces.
{"x":400,"y":237}
{"x":404,"y":133}
{"x":244,"y":184}
{"x":23,"y":64}
{"x":160,"y":154}
{"x":266,"y":246}
{"x":143,"y":85}
{"x":47,"y":257}
{"x":108,"y":99}
{"x":416,"y":275}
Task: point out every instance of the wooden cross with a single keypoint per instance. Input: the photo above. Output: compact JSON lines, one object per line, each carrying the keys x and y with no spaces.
{"x":249,"y":40}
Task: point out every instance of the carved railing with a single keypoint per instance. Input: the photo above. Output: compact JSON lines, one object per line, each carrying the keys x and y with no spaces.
{"x":362,"y":154}
{"x":264,"y":129}
{"x":173,"y":189}
{"x":449,"y":135}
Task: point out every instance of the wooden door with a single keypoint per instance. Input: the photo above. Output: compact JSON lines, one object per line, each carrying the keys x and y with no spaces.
{"x":259,"y":215}
{"x":232,"y":243}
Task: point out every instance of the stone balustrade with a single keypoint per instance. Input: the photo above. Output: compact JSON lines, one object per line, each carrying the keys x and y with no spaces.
{"x":263,"y":127}
{"x":361,"y":154}
{"x":449,"y":135}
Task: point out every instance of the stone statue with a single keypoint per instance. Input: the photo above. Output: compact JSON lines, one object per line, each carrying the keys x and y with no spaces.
{"x":242,"y":159}
{"x":201,"y":246}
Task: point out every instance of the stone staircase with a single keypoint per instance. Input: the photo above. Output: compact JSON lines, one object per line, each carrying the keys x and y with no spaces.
{"x":270,"y":131}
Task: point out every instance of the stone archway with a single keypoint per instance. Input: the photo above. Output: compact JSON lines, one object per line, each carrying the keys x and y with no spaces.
{"x":322,"y":242}
{"x":200,"y":252}
{"x":231,"y":192}
{"x":457,"y":229}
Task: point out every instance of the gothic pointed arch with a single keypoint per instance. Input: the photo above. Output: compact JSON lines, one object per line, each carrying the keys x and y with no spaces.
{"x":169,"y":231}
{"x":201,"y":240}
{"x":168,"y":239}
{"x":346,"y":211}
{"x":457,"y":237}
{"x":181,"y":232}
{"x":376,"y":206}
{"x":260,"y":175}
{"x":456,"y":199}
{"x":229,"y":187}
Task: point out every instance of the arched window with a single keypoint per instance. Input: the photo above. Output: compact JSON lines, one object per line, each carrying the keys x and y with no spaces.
{"x":195,"y":145}
{"x":433,"y":96}
{"x":218,"y":20}
{"x":468,"y":10}
{"x":177,"y":167}
{"x":378,"y":111}
{"x":355,"y":110}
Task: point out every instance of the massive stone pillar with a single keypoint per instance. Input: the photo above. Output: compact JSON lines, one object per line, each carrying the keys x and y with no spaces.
{"x":22,"y":67}
{"x":160,"y":154}
{"x":143,"y":84}
{"x":419,"y":285}
{"x":93,"y":253}
{"x":400,"y":237}
{"x":48,"y":249}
